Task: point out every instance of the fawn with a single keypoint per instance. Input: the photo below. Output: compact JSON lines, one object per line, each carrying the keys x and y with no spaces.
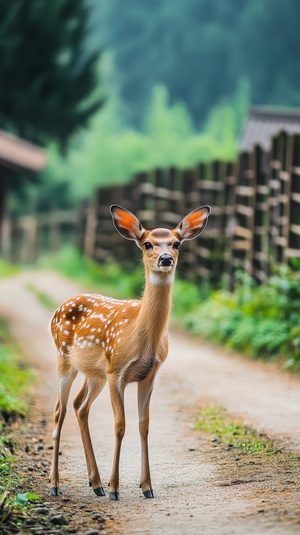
{"x":119,"y":341}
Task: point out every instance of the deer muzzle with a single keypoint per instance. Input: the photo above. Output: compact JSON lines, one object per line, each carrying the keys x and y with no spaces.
{"x":165,"y":260}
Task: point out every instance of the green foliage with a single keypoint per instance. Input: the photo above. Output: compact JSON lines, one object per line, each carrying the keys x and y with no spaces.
{"x":50,"y":77}
{"x":200,"y":49}
{"x":24,"y":498}
{"x":231,"y":431}
{"x":187,"y":296}
{"x":14,"y":377}
{"x":111,"y":151}
{"x":262,"y":321}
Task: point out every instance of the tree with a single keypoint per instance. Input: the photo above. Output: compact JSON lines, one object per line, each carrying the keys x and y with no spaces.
{"x":201,"y":50}
{"x":48,"y":78}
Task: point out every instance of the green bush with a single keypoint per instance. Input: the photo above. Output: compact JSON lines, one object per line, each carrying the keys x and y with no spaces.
{"x":262,"y":321}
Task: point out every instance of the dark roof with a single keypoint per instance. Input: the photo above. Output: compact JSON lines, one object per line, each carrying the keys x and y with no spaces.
{"x":20,"y":155}
{"x":264,"y":123}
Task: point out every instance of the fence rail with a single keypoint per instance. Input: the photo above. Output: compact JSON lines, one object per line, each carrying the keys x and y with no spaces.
{"x":255,"y":219}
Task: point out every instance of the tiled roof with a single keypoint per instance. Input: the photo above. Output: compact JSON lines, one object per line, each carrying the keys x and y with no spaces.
{"x":20,"y":155}
{"x":265,"y":123}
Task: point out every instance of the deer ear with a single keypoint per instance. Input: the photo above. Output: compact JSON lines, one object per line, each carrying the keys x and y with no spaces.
{"x":193,"y":224}
{"x":126,"y":223}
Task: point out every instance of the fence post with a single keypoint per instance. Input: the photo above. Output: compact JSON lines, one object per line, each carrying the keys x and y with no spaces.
{"x":259,"y":162}
{"x":242,"y":242}
{"x":293,"y":250}
{"x":89,"y":239}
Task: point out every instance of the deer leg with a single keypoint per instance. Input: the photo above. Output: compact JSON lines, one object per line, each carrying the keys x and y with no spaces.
{"x":65,"y":383}
{"x":145,"y":388}
{"x":117,"y":401}
{"x":82,"y":403}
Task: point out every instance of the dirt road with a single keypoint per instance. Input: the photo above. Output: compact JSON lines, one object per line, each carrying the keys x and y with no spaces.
{"x":199,"y":488}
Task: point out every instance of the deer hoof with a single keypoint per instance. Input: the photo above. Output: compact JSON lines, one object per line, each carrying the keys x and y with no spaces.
{"x":54,"y":491}
{"x":148,"y":493}
{"x":99,"y":491}
{"x":114,"y":495}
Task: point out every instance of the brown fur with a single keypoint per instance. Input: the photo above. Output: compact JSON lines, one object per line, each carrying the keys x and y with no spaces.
{"x":118,"y":341}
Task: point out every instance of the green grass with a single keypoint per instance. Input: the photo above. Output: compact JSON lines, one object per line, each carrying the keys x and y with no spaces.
{"x":7,"y":269}
{"x":15,"y":377}
{"x":215,"y":421}
{"x":44,"y":298}
{"x":108,"y":278}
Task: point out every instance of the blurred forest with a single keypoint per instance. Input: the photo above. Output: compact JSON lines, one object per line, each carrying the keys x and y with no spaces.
{"x":113,"y":88}
{"x":201,"y":50}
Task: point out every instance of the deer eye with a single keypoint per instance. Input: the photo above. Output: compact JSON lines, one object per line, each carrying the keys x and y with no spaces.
{"x":176,"y":245}
{"x":147,"y":245}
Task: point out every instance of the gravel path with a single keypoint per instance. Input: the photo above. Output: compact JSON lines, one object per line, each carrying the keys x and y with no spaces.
{"x":185,"y":469}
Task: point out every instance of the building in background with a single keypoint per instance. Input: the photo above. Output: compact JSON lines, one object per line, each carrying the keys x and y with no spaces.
{"x":265,"y":123}
{"x":17,"y":157}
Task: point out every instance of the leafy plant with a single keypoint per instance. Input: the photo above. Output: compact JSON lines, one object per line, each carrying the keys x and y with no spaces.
{"x":24,"y":498}
{"x":261,"y":321}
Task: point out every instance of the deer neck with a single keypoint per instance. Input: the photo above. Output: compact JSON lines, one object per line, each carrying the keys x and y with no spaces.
{"x":155,"y":308}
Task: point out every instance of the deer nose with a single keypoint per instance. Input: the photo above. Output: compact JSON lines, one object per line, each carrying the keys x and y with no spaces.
{"x":165,"y":260}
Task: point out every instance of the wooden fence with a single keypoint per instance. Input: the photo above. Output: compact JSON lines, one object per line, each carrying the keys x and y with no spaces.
{"x":31,"y":235}
{"x":255,"y":219}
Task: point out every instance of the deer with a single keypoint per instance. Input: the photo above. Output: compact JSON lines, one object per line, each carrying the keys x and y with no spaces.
{"x":119,"y":342}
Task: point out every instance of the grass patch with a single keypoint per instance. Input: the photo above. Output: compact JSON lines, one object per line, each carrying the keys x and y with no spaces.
{"x":43,"y":297}
{"x":215,"y":421}
{"x":15,"y":377}
{"x":7,"y":269}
